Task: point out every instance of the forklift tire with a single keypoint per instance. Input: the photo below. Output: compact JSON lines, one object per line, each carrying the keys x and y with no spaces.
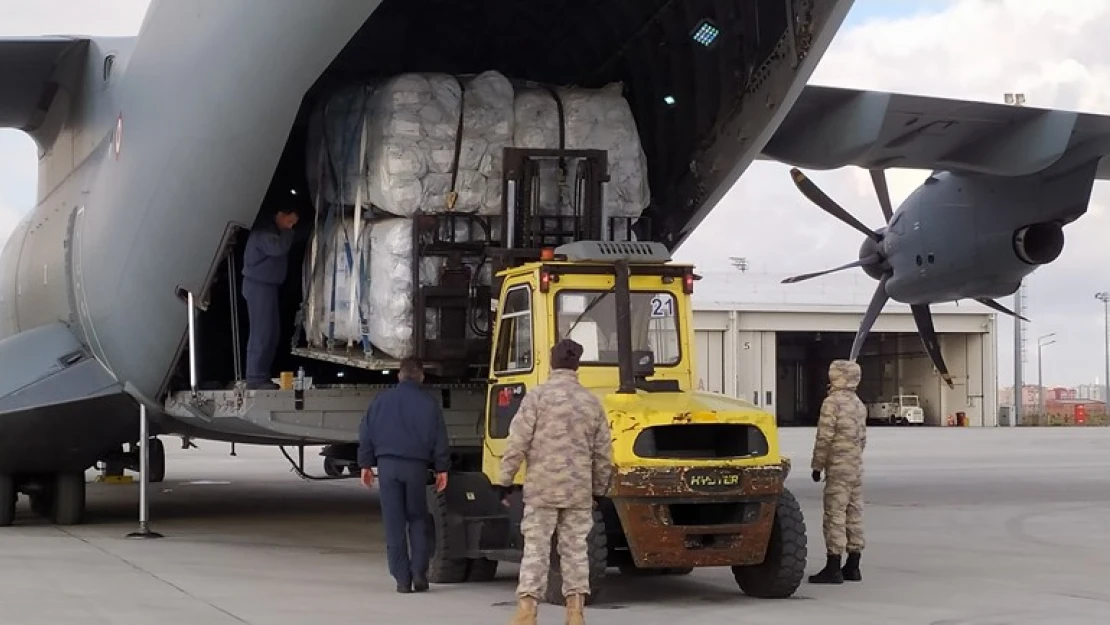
{"x":481,"y":570}
{"x":783,"y":568}
{"x":597,"y":552}
{"x":442,"y":570}
{"x":8,"y":497}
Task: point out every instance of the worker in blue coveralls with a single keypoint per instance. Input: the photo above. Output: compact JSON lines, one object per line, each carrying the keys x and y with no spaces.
{"x":265,"y":264}
{"x":403,"y":434}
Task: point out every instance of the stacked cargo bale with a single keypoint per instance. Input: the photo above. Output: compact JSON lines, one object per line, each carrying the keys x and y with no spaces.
{"x":436,"y":144}
{"x":585,"y":119}
{"x":336,"y":285}
{"x":433,"y":143}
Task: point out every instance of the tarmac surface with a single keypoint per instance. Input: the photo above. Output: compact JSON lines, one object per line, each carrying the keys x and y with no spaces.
{"x":964,"y":527}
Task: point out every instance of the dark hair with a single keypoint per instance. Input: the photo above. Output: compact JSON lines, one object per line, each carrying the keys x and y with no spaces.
{"x":410,"y":368}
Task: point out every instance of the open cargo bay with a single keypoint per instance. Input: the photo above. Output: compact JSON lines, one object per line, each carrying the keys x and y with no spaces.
{"x":692,"y":81}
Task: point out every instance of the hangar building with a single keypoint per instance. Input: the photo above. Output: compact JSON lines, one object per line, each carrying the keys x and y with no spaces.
{"x":772,"y":344}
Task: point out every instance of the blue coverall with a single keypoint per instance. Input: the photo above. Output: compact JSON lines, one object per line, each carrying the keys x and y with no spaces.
{"x":404,"y":434}
{"x":265,"y":264}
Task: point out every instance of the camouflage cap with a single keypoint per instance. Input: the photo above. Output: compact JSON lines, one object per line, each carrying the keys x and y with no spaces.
{"x":565,"y":355}
{"x":844,"y":374}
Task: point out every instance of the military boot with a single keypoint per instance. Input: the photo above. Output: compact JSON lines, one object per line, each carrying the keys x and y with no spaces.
{"x":851,"y":568}
{"x":575,"y":606}
{"x":525,"y":612}
{"x":830,"y":574}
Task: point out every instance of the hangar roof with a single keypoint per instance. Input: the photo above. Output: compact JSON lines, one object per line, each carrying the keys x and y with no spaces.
{"x":836,"y":293}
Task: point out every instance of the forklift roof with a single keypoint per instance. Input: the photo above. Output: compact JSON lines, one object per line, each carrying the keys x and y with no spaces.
{"x":612,"y":251}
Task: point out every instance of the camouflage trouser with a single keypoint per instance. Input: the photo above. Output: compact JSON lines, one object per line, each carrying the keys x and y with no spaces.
{"x":843,"y":522}
{"x":573,"y":525}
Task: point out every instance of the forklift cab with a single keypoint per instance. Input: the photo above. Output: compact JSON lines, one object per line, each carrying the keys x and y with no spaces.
{"x":623,"y":302}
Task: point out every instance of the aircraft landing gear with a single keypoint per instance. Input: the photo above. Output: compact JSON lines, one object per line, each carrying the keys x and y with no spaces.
{"x":59,"y":498}
{"x":69,"y":499}
{"x":8,"y":497}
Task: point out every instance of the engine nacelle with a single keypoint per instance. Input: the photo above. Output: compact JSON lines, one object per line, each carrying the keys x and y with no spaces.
{"x":1040,"y":243}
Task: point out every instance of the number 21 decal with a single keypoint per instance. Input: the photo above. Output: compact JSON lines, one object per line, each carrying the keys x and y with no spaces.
{"x":662,"y":307}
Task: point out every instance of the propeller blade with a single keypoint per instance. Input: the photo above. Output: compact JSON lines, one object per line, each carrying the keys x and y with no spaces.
{"x":924,"y":320}
{"x":825,"y":203}
{"x":990,"y":303}
{"x":878,"y":179}
{"x":878,"y":300}
{"x":867,"y":260}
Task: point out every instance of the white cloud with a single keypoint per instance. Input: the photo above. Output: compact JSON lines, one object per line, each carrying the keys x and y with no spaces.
{"x":70,"y":17}
{"x":1054,"y":52}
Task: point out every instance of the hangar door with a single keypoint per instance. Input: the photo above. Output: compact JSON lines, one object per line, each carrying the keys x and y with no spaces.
{"x":709,"y":351}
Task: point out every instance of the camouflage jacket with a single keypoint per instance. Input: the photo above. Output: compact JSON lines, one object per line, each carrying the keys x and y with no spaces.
{"x":562,"y":434}
{"x":842,"y":428}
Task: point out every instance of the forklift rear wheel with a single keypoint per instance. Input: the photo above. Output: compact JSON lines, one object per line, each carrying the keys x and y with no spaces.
{"x":482,"y":570}
{"x":8,"y":497}
{"x":442,"y":570}
{"x":597,"y":552}
{"x":782,"y":569}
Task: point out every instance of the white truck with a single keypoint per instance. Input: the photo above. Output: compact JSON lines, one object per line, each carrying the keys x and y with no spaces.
{"x":900,"y":410}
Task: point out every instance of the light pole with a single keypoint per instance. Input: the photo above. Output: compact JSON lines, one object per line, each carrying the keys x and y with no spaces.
{"x":1017,"y":99}
{"x":1105,"y":297}
{"x":1040,"y":373}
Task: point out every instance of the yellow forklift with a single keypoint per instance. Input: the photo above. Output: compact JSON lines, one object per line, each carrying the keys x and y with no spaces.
{"x":698,"y":477}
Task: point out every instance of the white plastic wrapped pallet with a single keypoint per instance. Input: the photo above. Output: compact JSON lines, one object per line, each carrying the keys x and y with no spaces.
{"x":594,"y":119}
{"x":339,"y":119}
{"x":330,"y":266}
{"x":413,"y":125}
{"x":390,"y":316}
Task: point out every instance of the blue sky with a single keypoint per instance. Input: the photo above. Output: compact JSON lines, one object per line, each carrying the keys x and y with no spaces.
{"x":868,"y":10}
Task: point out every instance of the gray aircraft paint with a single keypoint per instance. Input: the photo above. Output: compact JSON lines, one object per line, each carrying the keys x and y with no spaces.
{"x":141,"y":177}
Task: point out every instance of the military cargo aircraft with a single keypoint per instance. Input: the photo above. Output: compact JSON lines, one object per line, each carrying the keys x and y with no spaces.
{"x":156,"y":150}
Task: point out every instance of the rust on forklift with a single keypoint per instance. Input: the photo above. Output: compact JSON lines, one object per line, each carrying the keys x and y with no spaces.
{"x":697,"y":516}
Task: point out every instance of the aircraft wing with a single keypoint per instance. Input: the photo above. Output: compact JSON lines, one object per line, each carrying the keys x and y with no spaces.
{"x":831,"y":127}
{"x":30,"y":76}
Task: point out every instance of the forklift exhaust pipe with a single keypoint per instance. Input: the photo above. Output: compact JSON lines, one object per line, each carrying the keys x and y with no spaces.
{"x":624,"y":329}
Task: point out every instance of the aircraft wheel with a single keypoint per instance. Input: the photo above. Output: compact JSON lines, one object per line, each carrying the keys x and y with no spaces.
{"x":69,"y":498}
{"x":8,"y":496}
{"x":157,"y":461}
{"x":42,"y":504}
{"x":332,"y":467}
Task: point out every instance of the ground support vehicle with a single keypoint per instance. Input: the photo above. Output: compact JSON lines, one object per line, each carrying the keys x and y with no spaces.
{"x":698,"y":477}
{"x":900,"y":410}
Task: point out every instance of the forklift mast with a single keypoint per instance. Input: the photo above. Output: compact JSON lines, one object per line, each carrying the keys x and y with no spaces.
{"x":452,"y":320}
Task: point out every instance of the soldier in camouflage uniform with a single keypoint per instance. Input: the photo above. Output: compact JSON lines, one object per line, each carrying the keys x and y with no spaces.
{"x":560,"y":431}
{"x":838,"y":452}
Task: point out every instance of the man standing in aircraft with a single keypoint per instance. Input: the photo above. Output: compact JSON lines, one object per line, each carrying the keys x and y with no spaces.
{"x":402,"y":434}
{"x":265,"y":263}
{"x":561,"y":433}
{"x":838,"y":452}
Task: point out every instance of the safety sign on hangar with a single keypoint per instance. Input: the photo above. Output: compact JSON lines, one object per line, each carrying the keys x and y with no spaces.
{"x":764,"y":342}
